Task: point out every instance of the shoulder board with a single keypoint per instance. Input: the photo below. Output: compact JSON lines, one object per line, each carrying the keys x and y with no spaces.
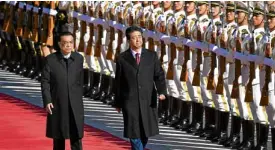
{"x":194,"y":19}
{"x":234,"y":26}
{"x":244,"y":31}
{"x":218,"y":23}
{"x":204,"y":20}
{"x":258,"y":38}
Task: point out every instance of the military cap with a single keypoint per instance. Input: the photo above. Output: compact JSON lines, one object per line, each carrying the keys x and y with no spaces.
{"x":202,"y":2}
{"x":242,"y":7}
{"x":259,"y":8}
{"x":230,"y":5}
{"x":216,"y":3}
{"x":271,"y":12}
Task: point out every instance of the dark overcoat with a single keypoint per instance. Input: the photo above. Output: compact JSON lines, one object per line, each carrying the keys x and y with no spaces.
{"x":136,"y":92}
{"x":62,"y":87}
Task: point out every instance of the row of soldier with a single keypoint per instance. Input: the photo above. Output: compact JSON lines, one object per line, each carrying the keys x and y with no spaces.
{"x":215,"y":84}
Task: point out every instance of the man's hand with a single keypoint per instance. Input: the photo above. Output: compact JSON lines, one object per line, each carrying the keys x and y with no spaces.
{"x":118,"y":110}
{"x":162,"y":97}
{"x":49,"y":108}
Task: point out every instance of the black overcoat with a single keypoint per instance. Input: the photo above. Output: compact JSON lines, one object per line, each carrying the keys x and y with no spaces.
{"x":136,"y":92}
{"x":63,"y":87}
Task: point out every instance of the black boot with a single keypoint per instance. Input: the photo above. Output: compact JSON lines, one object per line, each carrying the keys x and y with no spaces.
{"x":110,"y":99}
{"x":172,"y":111}
{"x":217,"y":134}
{"x":165,"y":109}
{"x":184,"y":116}
{"x":85,"y":80}
{"x":234,"y":138}
{"x":263,"y":137}
{"x":95,"y":85}
{"x":224,"y":126}
{"x":91,"y":80}
{"x":176,"y":118}
{"x":248,"y":142}
{"x":199,"y":119}
{"x":103,"y":81}
{"x":209,"y":128}
{"x":108,"y":90}
{"x":192,"y":126}
{"x":273,"y":138}
{"x":237,"y":145}
{"x":104,"y":87}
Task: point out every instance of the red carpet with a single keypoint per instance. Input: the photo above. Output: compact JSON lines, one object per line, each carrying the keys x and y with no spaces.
{"x":23,"y":127}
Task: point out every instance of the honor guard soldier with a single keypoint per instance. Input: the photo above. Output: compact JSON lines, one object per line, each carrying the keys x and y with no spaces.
{"x":241,"y":43}
{"x":164,"y":49}
{"x":270,"y":108}
{"x":197,"y":35}
{"x":212,"y":107}
{"x":260,"y":74}
{"x":227,"y":71}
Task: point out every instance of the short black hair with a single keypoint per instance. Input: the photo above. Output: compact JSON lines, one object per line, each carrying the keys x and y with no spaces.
{"x":132,"y":29}
{"x":64,"y":34}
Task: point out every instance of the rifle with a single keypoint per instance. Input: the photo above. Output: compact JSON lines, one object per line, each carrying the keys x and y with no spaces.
{"x":173,"y":48}
{"x":44,"y":33}
{"x":142,"y":25}
{"x":162,"y":44}
{"x":249,"y":90}
{"x":235,"y":90}
{"x":8,"y":25}
{"x":35,"y":23}
{"x":120,"y":35}
{"x":110,"y":54}
{"x":83,"y":30}
{"x":184,"y":72}
{"x":20,"y":19}
{"x":196,"y":78}
{"x":99,"y":34}
{"x":222,"y":60}
{"x":75,"y":20}
{"x":49,"y":40}
{"x":264,"y":96}
{"x":150,"y":27}
{"x":89,"y":50}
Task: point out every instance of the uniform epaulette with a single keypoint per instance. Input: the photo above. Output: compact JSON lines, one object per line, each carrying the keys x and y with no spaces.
{"x":205,"y":20}
{"x":218,"y":23}
{"x":245,"y":31}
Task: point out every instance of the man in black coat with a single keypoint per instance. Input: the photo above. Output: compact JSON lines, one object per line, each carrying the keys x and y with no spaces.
{"x":61,"y":84}
{"x":139,"y":79}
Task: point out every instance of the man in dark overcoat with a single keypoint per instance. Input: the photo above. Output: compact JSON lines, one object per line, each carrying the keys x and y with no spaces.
{"x":61,"y":85}
{"x":139,"y":79}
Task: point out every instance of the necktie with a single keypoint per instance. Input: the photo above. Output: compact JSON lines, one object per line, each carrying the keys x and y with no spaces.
{"x":137,"y":58}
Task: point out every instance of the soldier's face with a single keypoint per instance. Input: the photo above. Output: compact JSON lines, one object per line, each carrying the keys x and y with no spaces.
{"x":258,"y":19}
{"x":230,"y":15}
{"x":271,"y":23}
{"x":240,"y":17}
{"x":66,"y":44}
{"x":178,"y":5}
{"x":215,"y":11}
{"x":190,"y":7}
{"x":167,"y":4}
{"x":155,"y":3}
{"x":135,"y":40}
{"x":203,"y":9}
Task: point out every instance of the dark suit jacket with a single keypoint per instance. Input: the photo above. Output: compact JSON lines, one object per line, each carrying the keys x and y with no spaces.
{"x":136,"y":94}
{"x":61,"y":87}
